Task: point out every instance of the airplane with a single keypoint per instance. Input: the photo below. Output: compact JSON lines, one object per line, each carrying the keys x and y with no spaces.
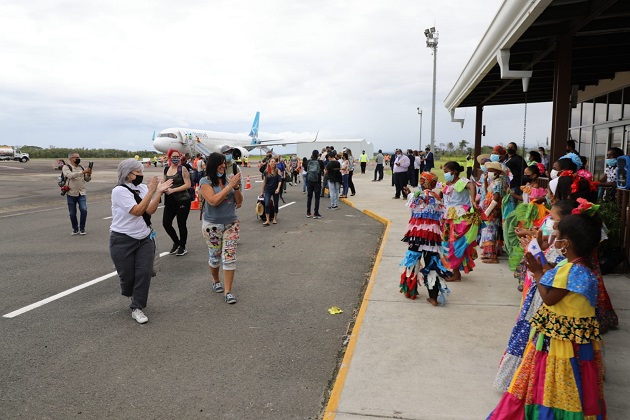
{"x":187,"y":140}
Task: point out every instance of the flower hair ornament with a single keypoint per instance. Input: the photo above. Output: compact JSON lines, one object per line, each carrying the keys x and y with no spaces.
{"x":541,"y":168}
{"x":574,"y":158}
{"x":585,"y":175}
{"x":585,"y":207}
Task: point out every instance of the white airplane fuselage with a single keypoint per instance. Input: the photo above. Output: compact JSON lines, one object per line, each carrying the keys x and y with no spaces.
{"x":184,"y":140}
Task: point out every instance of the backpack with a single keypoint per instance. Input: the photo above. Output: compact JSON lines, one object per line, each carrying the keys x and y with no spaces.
{"x":190,"y":190}
{"x":61,"y":179}
{"x":313,"y":171}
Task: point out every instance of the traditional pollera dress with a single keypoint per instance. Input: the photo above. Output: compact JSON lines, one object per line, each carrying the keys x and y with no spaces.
{"x":424,"y":236}
{"x":490,"y":233}
{"x":461,"y":225}
{"x":562,"y":372}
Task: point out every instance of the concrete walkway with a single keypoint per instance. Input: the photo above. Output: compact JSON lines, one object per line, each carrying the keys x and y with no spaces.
{"x":410,"y":360}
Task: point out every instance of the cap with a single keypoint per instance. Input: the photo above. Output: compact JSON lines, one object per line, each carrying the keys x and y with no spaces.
{"x":226,"y":148}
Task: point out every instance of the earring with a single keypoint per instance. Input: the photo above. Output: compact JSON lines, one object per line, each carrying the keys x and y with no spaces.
{"x":563,"y":251}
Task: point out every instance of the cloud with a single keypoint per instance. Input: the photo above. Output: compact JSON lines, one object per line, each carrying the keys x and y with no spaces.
{"x":111,"y":72}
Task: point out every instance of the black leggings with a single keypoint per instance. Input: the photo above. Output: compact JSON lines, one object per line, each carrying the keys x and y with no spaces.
{"x":172,"y":209}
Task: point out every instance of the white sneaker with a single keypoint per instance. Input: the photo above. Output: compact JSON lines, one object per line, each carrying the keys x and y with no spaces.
{"x":139,"y":316}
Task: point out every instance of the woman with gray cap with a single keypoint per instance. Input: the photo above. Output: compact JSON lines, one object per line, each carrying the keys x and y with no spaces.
{"x":131,"y":241}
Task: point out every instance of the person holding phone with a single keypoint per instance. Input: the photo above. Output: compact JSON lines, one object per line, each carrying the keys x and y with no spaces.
{"x":76,"y":176}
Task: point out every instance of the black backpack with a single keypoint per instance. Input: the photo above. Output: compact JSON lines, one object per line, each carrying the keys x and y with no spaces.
{"x":61,"y":179}
{"x":313,"y":171}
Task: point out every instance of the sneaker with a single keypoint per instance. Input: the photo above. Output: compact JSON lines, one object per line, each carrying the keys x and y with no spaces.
{"x":230,"y":298}
{"x":329,"y":207}
{"x":308,"y":214}
{"x":334,"y":207}
{"x":217,"y":287}
{"x":75,"y":232}
{"x":82,"y":232}
{"x":174,"y":249}
{"x":139,"y":316}
{"x":317,"y":216}
{"x":181,"y":251}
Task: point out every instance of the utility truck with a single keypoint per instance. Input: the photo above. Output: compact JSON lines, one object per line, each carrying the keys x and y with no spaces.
{"x":10,"y":153}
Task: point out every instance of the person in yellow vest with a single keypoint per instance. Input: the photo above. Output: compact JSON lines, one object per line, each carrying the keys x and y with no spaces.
{"x":469,"y":165}
{"x":246,"y":160}
{"x":364,"y":160}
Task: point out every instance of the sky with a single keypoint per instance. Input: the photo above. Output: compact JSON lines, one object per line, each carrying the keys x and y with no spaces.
{"x":107,"y":74}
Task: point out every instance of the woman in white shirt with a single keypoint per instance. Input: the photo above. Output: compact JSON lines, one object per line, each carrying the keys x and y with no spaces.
{"x":131,"y":241}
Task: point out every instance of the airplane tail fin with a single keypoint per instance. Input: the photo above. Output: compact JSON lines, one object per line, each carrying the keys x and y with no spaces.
{"x":254,"y":131}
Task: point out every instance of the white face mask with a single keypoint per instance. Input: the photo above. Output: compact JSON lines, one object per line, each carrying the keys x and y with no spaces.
{"x":490,"y":176}
{"x":553,"y":174}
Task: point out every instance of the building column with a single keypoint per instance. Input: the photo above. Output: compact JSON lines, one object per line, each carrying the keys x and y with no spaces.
{"x":478,"y":132}
{"x":561,"y":113}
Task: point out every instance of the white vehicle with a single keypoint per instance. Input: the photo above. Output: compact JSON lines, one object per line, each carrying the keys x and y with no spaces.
{"x":9,"y":153}
{"x":188,"y":140}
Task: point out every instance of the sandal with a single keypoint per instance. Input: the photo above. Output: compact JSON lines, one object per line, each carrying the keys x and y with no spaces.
{"x":266,"y":224}
{"x":274,"y":222}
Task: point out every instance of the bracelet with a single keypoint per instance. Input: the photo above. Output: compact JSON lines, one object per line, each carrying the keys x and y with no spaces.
{"x":237,"y":188}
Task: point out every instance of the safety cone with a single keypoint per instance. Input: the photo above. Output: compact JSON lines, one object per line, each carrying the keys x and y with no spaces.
{"x":194,"y":205}
{"x":248,"y":184}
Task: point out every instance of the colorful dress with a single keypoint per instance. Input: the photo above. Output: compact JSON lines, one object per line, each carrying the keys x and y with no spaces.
{"x":562,"y":371}
{"x":424,"y":236}
{"x":490,"y":235}
{"x":461,"y":225}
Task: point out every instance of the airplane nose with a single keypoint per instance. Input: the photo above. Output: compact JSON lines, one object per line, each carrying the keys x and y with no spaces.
{"x":162,"y":144}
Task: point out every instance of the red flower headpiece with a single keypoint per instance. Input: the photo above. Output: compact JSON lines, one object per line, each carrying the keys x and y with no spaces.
{"x":585,"y":207}
{"x":585,"y":175}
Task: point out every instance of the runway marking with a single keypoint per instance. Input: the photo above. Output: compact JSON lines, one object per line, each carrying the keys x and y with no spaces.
{"x":64,"y":293}
{"x":34,"y":211}
{"x":286,"y":205}
{"x":12,"y":167}
{"x":109,"y":217}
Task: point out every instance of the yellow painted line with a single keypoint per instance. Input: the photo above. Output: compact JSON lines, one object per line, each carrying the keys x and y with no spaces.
{"x":335,"y":395}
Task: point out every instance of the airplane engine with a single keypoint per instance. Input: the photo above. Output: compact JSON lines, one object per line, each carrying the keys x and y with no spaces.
{"x":240,"y":153}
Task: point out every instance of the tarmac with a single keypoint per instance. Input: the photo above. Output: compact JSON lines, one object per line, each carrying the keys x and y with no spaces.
{"x":409,"y":360}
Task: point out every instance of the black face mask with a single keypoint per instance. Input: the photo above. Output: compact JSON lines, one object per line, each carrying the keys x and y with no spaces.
{"x":527,"y":178}
{"x":511,"y":151}
{"x":77,"y":161}
{"x":138,"y":180}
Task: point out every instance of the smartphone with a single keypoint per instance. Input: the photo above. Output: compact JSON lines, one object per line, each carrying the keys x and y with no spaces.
{"x":90,"y":165}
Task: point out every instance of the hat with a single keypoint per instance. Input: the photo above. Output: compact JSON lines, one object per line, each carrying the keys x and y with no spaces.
{"x":494,"y":165}
{"x":260,"y":208}
{"x":483,"y":158}
{"x":226,"y":148}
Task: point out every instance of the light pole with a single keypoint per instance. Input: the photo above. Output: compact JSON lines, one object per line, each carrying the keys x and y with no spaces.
{"x":420,"y":139}
{"x":432,"y":43}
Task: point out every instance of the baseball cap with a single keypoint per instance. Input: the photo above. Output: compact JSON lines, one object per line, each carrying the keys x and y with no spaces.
{"x":225,"y":149}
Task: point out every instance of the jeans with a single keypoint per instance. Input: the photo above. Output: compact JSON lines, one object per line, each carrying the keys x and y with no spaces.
{"x":133,"y":259}
{"x":333,"y":189}
{"x":172,"y":209}
{"x":276,"y":199}
{"x":314,"y":187}
{"x":81,"y":200}
{"x":303,"y":182}
{"x":344,"y":183}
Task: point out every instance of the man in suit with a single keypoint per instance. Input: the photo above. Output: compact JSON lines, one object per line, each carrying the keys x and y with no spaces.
{"x":428,"y":160}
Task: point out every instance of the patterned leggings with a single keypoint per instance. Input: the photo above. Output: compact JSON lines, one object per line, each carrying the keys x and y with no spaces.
{"x":222,"y":241}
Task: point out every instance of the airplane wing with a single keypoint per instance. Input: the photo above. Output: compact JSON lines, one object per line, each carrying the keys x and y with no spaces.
{"x":282,"y":142}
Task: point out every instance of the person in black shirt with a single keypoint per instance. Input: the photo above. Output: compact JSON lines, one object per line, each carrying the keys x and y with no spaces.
{"x":516,"y":164}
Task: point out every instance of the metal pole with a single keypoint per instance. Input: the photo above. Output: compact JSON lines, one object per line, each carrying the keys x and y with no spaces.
{"x":433,"y":100}
{"x":420,"y":138}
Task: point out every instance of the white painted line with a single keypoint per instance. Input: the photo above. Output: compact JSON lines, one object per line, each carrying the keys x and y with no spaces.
{"x":64,"y":293}
{"x":34,"y":211}
{"x":286,"y":205}
{"x":260,"y":180}
{"x":12,"y":167}
{"x":58,"y":296}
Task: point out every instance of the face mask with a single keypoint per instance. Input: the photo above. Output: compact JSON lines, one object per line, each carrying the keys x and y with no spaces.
{"x":175,"y":160}
{"x":494,"y":158}
{"x":561,"y":248}
{"x":611,"y":162}
{"x":219,"y":174}
{"x":138,"y":180}
{"x":77,"y":161}
{"x":228,"y":158}
{"x":483,"y":168}
{"x":511,"y":151}
{"x":553,"y":174}
{"x":490,"y":176}
{"x":527,"y":178}
{"x":449,"y":177}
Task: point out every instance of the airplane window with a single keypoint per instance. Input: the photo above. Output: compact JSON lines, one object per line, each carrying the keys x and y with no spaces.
{"x":171,"y":135}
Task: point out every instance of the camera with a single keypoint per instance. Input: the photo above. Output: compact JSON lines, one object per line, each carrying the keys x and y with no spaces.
{"x":64,"y":189}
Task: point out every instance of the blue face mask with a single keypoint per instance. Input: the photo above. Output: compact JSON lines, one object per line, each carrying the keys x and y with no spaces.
{"x":219,"y":174}
{"x":494,"y":158}
{"x":449,"y":177}
{"x":611,"y":162}
{"x":228,"y":158}
{"x":483,"y":168}
{"x":175,"y":160}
